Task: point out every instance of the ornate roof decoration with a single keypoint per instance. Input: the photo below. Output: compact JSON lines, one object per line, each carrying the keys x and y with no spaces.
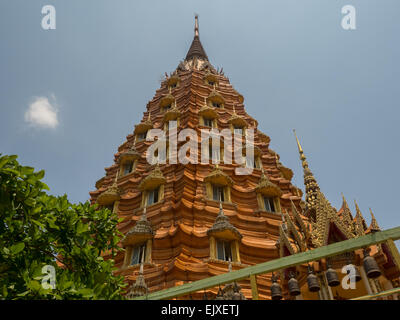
{"x":284,"y":239}
{"x":266,"y":187}
{"x":312,"y":187}
{"x":208,"y":111}
{"x":300,"y":221}
{"x":235,"y":119}
{"x":374,"y":224}
{"x":139,"y":288}
{"x":172,"y":114}
{"x":144,"y":126}
{"x":153,"y":180}
{"x":196,"y":48}
{"x":360,"y":225}
{"x":140,"y":232}
{"x":222,"y":226}
{"x":231,"y":291}
{"x":111,"y":195}
{"x":210,"y":77}
{"x":296,"y":234}
{"x":174,"y":79}
{"x":214,"y":96}
{"x":130,"y":154}
{"x":218,"y":177}
{"x":166,"y":100}
{"x":325,"y":215}
{"x":347,"y":217}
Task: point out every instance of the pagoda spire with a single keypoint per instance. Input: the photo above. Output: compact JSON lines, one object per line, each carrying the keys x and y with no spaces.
{"x":196,"y":48}
{"x":374,"y":224}
{"x":346,"y":214}
{"x":311,"y":185}
{"x":360,"y":224}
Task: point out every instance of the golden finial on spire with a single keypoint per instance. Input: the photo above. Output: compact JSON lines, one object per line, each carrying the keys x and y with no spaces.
{"x":196,"y":25}
{"x":301,"y":152}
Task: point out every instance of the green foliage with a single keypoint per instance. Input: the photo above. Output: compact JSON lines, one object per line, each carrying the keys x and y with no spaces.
{"x":37,"y":229}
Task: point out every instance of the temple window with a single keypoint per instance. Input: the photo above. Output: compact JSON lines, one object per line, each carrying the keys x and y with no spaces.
{"x":218,"y":185}
{"x":127,"y":167}
{"x":253,"y":162}
{"x":215,"y":100}
{"x":224,"y":245}
{"x":218,"y":193}
{"x":268,"y":194}
{"x":141,"y":136}
{"x":216,"y":105}
{"x":224,"y":250}
{"x":167,"y":107}
{"x":153,"y":196}
{"x":269,"y":204}
{"x":208,"y":122}
{"x":211,"y":80}
{"x":173,"y":82}
{"x":152,"y":187}
{"x":138,"y":254}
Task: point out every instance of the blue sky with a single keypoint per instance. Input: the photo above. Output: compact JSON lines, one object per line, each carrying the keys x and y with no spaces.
{"x":291,"y":60}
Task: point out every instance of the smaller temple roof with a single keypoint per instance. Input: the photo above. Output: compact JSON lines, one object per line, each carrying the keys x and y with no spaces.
{"x":222,"y":224}
{"x":153,"y":180}
{"x":110,"y":195}
{"x":265,"y":186}
{"x":130,"y":154}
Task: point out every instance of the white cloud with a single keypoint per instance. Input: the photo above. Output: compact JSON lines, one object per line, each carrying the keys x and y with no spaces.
{"x":41,"y":113}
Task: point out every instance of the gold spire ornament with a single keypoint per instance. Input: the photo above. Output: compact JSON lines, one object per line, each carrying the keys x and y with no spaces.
{"x":374,"y":224}
{"x":311,"y":185}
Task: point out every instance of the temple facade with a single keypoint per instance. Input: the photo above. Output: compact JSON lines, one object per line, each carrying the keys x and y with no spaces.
{"x":184,"y":222}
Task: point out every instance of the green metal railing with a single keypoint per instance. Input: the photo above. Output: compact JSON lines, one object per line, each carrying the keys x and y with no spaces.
{"x":387,"y":236}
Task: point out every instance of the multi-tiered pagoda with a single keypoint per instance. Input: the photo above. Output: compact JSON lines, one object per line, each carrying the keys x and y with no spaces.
{"x":186,"y":222}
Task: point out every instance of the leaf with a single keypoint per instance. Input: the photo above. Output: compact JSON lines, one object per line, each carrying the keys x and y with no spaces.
{"x":40,"y":174}
{"x":34,"y":285}
{"x":30,"y":202}
{"x":86,"y":292}
{"x":3,"y":161}
{"x":17,"y":248}
{"x":38,"y":223}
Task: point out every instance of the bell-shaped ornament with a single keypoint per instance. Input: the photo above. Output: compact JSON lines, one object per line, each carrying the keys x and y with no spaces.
{"x":312,"y":281}
{"x":276,"y":291}
{"x":370,"y":266}
{"x":293,"y":286}
{"x":332,"y":277}
{"x":220,"y":295}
